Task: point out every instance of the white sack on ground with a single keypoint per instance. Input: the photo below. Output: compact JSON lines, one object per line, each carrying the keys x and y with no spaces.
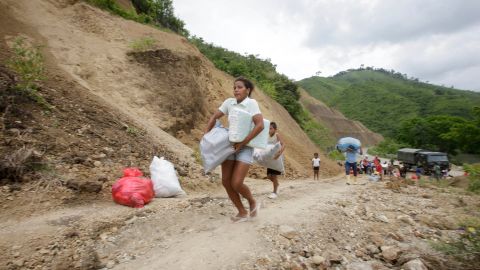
{"x":164,"y":178}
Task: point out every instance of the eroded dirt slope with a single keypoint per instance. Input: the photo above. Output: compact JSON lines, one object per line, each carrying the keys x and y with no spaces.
{"x":339,"y":125}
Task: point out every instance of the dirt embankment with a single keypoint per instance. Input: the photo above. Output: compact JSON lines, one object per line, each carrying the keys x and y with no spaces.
{"x":168,"y":91}
{"x":338,"y":124}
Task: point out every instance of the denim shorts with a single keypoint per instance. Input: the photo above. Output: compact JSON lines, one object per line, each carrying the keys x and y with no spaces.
{"x":245,"y":155}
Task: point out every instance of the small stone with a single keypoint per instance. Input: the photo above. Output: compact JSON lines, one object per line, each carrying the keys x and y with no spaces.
{"x":19,"y":262}
{"x":382,"y":218}
{"x":416,"y":264}
{"x":390,"y":253}
{"x":372,"y":249}
{"x":318,"y":260}
{"x":287,"y":231}
{"x":97,"y":163}
{"x":16,"y":254}
{"x":110,"y":264}
{"x":406,"y":219}
{"x":360,"y":266}
{"x":10,"y":198}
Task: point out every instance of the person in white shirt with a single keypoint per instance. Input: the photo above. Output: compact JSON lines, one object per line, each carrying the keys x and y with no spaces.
{"x":315,"y":165}
{"x":272,"y":174}
{"x":235,"y":168}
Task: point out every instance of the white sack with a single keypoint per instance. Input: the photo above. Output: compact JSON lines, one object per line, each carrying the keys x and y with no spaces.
{"x":239,"y":122}
{"x":164,"y":178}
{"x":264,"y":157}
{"x":215,"y":148}
{"x":261,"y":140}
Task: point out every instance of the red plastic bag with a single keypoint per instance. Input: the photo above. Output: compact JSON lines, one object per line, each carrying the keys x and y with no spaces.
{"x":132,"y":191}
{"x":132,"y":172}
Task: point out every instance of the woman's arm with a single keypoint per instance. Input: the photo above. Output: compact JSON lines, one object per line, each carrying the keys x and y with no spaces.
{"x":258,"y":121}
{"x":212,"y":120}
{"x":282,"y":148}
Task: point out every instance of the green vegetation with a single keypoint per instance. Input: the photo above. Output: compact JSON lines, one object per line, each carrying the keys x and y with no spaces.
{"x":159,"y":13}
{"x":474,"y":177}
{"x":134,"y":131}
{"x":442,"y":133}
{"x":382,"y":99}
{"x":143,"y":44}
{"x":467,"y":247}
{"x":278,"y":86}
{"x":387,"y":148}
{"x":27,"y":62}
{"x":336,"y":155}
{"x":410,"y":112}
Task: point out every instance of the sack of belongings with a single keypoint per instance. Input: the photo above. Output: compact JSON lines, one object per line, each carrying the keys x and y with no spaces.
{"x":132,"y":189}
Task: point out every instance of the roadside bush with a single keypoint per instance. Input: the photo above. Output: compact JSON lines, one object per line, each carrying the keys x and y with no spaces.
{"x":27,"y":62}
{"x":474,"y":177}
{"x":467,"y":247}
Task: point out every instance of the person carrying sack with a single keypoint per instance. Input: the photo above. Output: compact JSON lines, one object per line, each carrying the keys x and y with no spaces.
{"x":235,"y":168}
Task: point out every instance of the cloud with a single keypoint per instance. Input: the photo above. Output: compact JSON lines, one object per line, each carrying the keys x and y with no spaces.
{"x":438,"y":41}
{"x":366,"y":22}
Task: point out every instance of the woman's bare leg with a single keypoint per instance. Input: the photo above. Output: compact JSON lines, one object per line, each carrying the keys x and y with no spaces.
{"x":240,"y":170}
{"x":227,"y":172}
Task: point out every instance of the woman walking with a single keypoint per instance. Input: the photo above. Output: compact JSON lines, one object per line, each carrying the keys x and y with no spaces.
{"x":235,"y":168}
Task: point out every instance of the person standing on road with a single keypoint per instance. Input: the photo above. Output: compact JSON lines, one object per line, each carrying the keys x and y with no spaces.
{"x":366,"y":164}
{"x":235,"y":168}
{"x":315,"y":165}
{"x":351,"y":163}
{"x":437,"y":171}
{"x":272,"y":174}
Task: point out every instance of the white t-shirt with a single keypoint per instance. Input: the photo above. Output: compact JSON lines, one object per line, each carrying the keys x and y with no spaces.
{"x":316,"y":162}
{"x":248,"y":104}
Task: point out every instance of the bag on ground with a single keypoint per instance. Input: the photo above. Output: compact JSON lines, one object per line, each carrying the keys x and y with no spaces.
{"x":348,"y":142}
{"x":215,"y":147}
{"x":264,"y":157}
{"x":132,"y":191}
{"x":164,"y":178}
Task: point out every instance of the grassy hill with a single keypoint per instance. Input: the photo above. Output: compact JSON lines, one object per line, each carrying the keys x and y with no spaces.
{"x":381,"y":99}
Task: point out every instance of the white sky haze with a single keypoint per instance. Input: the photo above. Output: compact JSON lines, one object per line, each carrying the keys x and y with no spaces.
{"x":433,"y":40}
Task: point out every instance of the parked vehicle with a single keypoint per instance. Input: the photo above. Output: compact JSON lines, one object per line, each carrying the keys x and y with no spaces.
{"x":425,"y":159}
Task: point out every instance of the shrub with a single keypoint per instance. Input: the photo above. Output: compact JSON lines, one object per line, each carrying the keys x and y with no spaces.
{"x":467,"y":247}
{"x":474,"y":177}
{"x":27,"y":62}
{"x":143,"y":44}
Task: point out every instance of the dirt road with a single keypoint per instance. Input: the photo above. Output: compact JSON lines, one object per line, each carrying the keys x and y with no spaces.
{"x":202,"y":237}
{"x":312,"y":224}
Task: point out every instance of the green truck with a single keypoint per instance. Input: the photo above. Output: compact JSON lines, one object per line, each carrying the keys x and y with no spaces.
{"x":412,"y":158}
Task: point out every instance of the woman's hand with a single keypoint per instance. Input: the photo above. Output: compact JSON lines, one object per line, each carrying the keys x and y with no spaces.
{"x":276,"y":156}
{"x":239,"y":146}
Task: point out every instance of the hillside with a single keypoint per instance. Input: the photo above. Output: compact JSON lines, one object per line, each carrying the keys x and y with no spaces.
{"x":338,"y":125}
{"x":381,"y":99}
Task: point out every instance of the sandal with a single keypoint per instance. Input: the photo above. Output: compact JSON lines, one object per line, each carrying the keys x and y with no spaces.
{"x":255,"y":210}
{"x":238,"y":219}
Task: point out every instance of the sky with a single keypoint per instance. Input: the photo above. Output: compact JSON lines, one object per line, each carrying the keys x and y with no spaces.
{"x":434,"y":40}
